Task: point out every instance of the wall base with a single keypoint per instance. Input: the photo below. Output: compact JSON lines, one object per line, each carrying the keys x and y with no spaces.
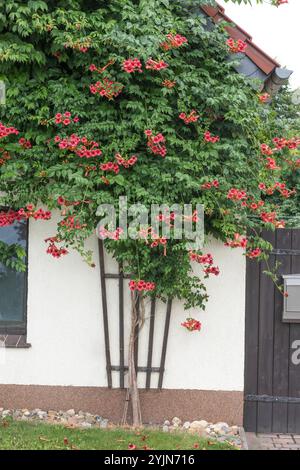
{"x":157,"y":405}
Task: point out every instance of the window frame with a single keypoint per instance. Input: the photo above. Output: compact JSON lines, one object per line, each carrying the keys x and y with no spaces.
{"x":18,"y":327}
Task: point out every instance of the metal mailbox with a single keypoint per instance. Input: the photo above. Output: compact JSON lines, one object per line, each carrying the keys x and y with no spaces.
{"x":291,"y":305}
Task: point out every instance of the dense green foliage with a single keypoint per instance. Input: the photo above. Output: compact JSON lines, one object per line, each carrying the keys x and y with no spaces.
{"x":46,"y":73}
{"x":284,"y":119}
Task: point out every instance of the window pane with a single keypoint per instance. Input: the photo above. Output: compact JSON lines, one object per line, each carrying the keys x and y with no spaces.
{"x":12,"y":283}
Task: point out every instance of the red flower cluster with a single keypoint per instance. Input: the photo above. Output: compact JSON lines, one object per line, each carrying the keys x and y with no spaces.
{"x":254,"y":253}
{"x":281,"y":187}
{"x":158,"y":241}
{"x":255,"y":205}
{"x":280,"y":2}
{"x":61,"y":201}
{"x":115,"y":167}
{"x":191,"y":324}
{"x":291,"y":144}
{"x":26,"y":144}
{"x":53,"y":249}
{"x":107,"y":88}
{"x":11,"y":216}
{"x":271,"y":218}
{"x":93,"y":67}
{"x":38,"y":214}
{"x":8,"y":218}
{"x":126,"y":163}
{"x":156,"y":143}
{"x":141,"y":286}
{"x":236,"y":46}
{"x":192,"y":117}
{"x":194,"y":217}
{"x":5,"y":131}
{"x":168,"y":84}
{"x":266,"y":150}
{"x":209,"y":138}
{"x":166,"y":218}
{"x":206,"y":260}
{"x":264,"y":97}
{"x":156,"y":65}
{"x":209,"y":185}
{"x":212,"y":270}
{"x":103,"y":233}
{"x":81,"y":146}
{"x":110,"y":166}
{"x":65,"y":119}
{"x":236,"y":194}
{"x":132,"y":65}
{"x":174,"y":41}
{"x":271,"y":164}
{"x":238,"y":241}
{"x":268,"y":217}
{"x":71,"y":224}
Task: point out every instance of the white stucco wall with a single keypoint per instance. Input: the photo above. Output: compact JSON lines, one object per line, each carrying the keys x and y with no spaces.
{"x":65,"y":325}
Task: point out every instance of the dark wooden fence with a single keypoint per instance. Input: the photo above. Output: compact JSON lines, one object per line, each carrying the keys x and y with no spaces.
{"x":272,"y":379}
{"x":122,"y":368}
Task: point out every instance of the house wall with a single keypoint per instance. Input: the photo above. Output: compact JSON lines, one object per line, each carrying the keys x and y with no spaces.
{"x":67,"y":355}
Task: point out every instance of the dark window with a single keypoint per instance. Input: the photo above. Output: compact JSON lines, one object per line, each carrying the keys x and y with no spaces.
{"x":13,"y":285}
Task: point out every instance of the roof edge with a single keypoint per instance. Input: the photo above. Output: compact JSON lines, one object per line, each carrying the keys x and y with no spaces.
{"x":263,"y":61}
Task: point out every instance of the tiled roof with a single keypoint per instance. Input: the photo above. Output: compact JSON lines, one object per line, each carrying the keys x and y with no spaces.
{"x":256,"y":63}
{"x":257,"y":55}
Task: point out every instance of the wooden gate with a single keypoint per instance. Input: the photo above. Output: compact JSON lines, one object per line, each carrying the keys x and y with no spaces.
{"x":272,"y":375}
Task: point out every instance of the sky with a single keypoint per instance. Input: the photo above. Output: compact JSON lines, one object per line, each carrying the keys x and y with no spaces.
{"x":275,"y":30}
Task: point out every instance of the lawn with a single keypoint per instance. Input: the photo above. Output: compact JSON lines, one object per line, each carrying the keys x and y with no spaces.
{"x":22,"y":435}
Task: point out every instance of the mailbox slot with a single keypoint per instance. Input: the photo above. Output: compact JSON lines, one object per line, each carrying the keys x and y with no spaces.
{"x":291,"y":305}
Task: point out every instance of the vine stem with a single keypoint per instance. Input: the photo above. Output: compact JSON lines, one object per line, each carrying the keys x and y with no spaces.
{"x":132,"y":394}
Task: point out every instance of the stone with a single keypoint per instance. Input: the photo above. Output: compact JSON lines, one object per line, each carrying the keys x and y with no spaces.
{"x":176,"y":422}
{"x":79,"y":418}
{"x":72,"y":421}
{"x":165,"y":428}
{"x":86,"y":425}
{"x":104,"y":423}
{"x":186,"y":425}
{"x":173,"y":428}
{"x":198,"y":424}
{"x":221,"y":428}
{"x":89,"y":418}
{"x":234,"y":430}
{"x":67,"y":418}
{"x":198,"y":427}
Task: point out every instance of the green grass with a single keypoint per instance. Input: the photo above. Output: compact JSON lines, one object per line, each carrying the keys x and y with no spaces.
{"x":22,"y":435}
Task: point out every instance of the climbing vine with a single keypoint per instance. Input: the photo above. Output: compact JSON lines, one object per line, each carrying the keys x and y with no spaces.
{"x":137,"y":98}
